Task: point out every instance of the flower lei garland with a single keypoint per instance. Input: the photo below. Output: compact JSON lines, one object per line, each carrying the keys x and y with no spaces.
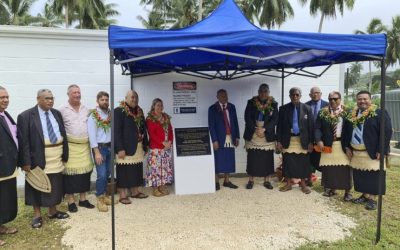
{"x":166,"y":119}
{"x":101,"y":123}
{"x":369,"y":112}
{"x":137,"y":115}
{"x":264,"y":108}
{"x":332,"y":119}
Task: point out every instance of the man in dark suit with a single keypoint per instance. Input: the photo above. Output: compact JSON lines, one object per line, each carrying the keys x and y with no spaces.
{"x":295,"y":140}
{"x":8,"y":163}
{"x":43,"y":144}
{"x":362,"y":144}
{"x":224,"y":131}
{"x":316,"y":104}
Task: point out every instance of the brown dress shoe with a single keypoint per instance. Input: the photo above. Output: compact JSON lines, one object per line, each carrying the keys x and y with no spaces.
{"x":305,"y":190}
{"x":157,"y":193}
{"x":285,"y":188}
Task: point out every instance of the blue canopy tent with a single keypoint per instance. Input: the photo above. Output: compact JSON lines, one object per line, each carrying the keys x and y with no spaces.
{"x":226,"y":46}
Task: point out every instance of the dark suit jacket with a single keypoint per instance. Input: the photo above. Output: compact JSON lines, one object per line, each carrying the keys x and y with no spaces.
{"x":371,"y":133}
{"x":270,"y":121}
{"x":126,"y":133}
{"x":216,"y":123}
{"x":323,"y":131}
{"x":31,"y":140}
{"x":323,"y":103}
{"x":8,"y":148}
{"x":285,"y":125}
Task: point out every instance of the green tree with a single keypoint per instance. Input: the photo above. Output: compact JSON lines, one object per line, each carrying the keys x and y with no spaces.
{"x":393,"y":40}
{"x":15,"y":12}
{"x":271,"y":13}
{"x":48,"y":18}
{"x":327,"y":8}
{"x":65,"y":8}
{"x":374,"y":27}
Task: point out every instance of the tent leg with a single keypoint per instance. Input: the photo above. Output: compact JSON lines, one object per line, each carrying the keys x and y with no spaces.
{"x":382,"y":153}
{"x":112,"y":149}
{"x":132,"y":81}
{"x":283,"y":86}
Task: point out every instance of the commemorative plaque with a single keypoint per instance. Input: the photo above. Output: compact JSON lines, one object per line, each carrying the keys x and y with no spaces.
{"x":192,"y":141}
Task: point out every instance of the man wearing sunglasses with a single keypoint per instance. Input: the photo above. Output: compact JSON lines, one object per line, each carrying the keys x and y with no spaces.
{"x":316,"y":104}
{"x":295,"y":140}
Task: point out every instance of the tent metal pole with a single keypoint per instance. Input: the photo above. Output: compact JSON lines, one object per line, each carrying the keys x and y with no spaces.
{"x":150,"y":56}
{"x":381,"y":152}
{"x":283,"y":85}
{"x":112,"y":149}
{"x":132,"y":82}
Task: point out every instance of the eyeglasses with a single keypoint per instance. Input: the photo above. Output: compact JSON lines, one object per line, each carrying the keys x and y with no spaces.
{"x":333,"y":99}
{"x":49,"y":98}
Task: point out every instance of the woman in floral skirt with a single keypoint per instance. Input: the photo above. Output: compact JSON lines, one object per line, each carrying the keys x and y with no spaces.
{"x":159,"y":159}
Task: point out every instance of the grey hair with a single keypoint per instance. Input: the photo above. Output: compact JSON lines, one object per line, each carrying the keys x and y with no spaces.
{"x":42,"y":91}
{"x":2,"y":88}
{"x":72,"y":86}
{"x":131,"y":91}
{"x":335,"y":93}
{"x":292,"y":90}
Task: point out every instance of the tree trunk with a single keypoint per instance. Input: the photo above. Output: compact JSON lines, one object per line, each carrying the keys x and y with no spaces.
{"x":66,"y":16}
{"x":200,"y":14}
{"x":320,"y":22}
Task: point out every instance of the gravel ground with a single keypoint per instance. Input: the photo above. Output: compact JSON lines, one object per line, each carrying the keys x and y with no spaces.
{"x":228,"y":219}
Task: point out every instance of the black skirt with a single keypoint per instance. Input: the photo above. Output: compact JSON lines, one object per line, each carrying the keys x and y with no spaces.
{"x":130,"y":175}
{"x":368,"y":182}
{"x":8,"y":200}
{"x":260,"y":163}
{"x":36,"y":198}
{"x":296,"y":165}
{"x":78,"y":183}
{"x":337,"y":177}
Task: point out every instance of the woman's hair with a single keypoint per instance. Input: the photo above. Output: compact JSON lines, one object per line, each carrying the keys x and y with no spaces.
{"x":153,"y":104}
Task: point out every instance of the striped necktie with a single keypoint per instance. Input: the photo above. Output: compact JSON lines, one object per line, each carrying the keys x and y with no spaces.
{"x":50,"y":130}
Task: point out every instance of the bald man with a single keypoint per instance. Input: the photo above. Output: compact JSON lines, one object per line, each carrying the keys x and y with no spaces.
{"x":316,"y":104}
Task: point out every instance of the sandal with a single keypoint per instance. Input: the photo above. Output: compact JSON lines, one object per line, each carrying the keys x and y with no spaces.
{"x":157,"y":193}
{"x":59,"y":215}
{"x":125,"y":201}
{"x":7,"y":230}
{"x":2,"y":243}
{"x":37,"y":222}
{"x":250,"y":185}
{"x":139,"y":196}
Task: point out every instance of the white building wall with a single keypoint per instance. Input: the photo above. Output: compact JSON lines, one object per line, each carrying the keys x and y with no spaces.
{"x":34,"y":58}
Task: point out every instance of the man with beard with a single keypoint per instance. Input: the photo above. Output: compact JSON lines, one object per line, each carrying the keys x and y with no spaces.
{"x":99,"y":129}
{"x":43,"y":144}
{"x":79,"y":167}
{"x":8,"y":164}
{"x":130,"y":145}
{"x":295,"y":140}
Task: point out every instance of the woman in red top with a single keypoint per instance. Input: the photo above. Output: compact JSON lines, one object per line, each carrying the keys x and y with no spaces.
{"x":159,"y":158}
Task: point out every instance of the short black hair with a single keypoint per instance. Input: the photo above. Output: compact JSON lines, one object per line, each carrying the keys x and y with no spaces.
{"x":364,"y":92}
{"x":221,"y":91}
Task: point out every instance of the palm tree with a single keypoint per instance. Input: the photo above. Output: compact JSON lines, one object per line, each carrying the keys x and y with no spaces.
{"x":88,"y":12}
{"x":97,"y":17}
{"x":66,"y":8}
{"x":328,"y":8}
{"x":154,"y":20}
{"x":48,"y":18}
{"x":374,"y":27}
{"x":393,"y":40}
{"x":15,"y":12}
{"x":273,"y":12}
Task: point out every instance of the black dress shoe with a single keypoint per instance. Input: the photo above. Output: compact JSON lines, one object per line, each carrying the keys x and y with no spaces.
{"x":86,"y":204}
{"x":72,"y":208}
{"x":230,"y":185}
{"x":371,"y":205}
{"x":360,"y":200}
{"x":347,"y":197}
{"x":249,"y":185}
{"x":217,"y":186}
{"x":327,"y":193}
{"x":268,"y":185}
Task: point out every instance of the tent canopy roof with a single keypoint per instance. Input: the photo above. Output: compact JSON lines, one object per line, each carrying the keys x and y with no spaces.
{"x":226,"y":41}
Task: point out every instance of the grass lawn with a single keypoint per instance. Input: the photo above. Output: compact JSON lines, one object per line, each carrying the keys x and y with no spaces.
{"x":47,"y":237}
{"x":363,"y":236}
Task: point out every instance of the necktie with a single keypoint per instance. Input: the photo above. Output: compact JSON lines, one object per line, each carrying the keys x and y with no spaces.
{"x":50,"y":130}
{"x":358,"y":132}
{"x":315,"y":111}
{"x":295,"y":125}
{"x":227,"y":127}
